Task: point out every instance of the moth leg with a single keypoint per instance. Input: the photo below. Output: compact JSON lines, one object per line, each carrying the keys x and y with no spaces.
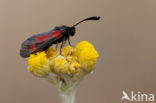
{"x":62,"y":45}
{"x":56,"y":45}
{"x":69,"y":42}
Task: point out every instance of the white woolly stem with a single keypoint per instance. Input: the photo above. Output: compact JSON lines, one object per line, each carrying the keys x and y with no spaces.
{"x":68,"y":95}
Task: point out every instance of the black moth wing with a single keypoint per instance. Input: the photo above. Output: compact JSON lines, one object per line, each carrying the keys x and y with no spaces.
{"x":31,"y":45}
{"x":32,"y":40}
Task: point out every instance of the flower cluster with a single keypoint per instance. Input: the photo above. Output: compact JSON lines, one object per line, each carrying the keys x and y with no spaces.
{"x":69,"y":67}
{"x":72,"y":60}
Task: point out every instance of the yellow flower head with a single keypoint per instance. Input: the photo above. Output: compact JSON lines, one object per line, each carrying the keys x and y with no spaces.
{"x":68,"y":62}
{"x":86,"y":55}
{"x":40,"y":59}
{"x":39,"y":64}
{"x":82,"y":45}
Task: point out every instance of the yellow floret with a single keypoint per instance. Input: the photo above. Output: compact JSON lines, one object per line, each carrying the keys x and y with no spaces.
{"x":39,"y":64}
{"x":73,"y":67}
{"x":40,"y":71}
{"x":86,"y":55}
{"x":39,"y":59}
{"x":51,"y":53}
{"x":66,"y":50}
{"x":60,"y":65}
{"x":82,"y":45}
{"x":71,"y":59}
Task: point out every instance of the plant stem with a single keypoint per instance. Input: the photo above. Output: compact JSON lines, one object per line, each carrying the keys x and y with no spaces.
{"x":67,"y":86}
{"x":68,"y":95}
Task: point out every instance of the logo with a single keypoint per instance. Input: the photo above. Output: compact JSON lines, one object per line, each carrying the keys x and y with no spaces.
{"x":137,"y":96}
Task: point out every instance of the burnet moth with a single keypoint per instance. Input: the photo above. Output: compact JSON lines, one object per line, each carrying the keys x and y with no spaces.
{"x":42,"y":41}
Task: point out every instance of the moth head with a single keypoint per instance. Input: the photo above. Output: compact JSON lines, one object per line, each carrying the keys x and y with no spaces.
{"x":71,"y":31}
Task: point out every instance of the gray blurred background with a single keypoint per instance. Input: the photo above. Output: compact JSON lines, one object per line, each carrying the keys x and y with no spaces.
{"x":125,"y":38}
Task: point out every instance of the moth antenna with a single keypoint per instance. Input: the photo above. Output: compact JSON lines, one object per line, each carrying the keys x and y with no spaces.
{"x":90,"y":18}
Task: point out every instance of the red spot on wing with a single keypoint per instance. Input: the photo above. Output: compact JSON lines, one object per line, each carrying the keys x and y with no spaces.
{"x":33,"y":48}
{"x":41,"y":38}
{"x":57,"y":35}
